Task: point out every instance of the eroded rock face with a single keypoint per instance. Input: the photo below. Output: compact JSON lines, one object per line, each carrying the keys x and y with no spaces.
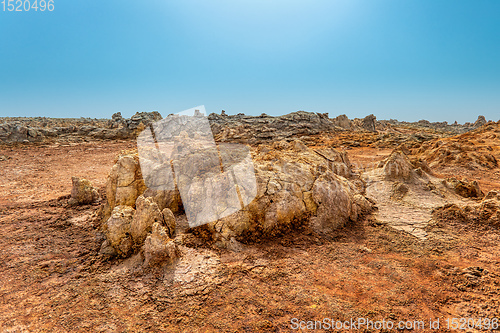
{"x":18,"y":132}
{"x":82,"y":192}
{"x":124,"y":184}
{"x":170,"y":199}
{"x":343,"y":122}
{"x":337,"y":203}
{"x":295,"y":187}
{"x":146,"y":213}
{"x":369,"y":123}
{"x":158,"y":247}
{"x":117,"y":229}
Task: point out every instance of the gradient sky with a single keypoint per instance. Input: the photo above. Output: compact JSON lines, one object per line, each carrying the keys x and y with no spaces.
{"x":410,"y":60}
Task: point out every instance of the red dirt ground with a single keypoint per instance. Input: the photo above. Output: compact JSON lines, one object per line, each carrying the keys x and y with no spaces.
{"x":53,"y":280}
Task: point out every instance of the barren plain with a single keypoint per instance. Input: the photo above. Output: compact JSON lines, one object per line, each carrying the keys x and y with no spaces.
{"x":420,"y":240}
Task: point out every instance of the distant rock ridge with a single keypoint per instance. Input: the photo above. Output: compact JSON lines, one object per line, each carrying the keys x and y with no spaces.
{"x":254,"y":129}
{"x":443,"y":126}
{"x":38,"y":129}
{"x":226,"y":128}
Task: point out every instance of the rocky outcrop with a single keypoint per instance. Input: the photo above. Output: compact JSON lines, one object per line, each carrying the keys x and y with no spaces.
{"x":343,"y":122}
{"x":124,"y":184}
{"x":158,"y":247}
{"x":117,"y":230}
{"x":26,"y":130}
{"x":481,"y":120}
{"x":475,"y":150}
{"x":147,"y":213}
{"x":264,"y":128}
{"x":227,"y":128}
{"x":134,"y":123}
{"x":369,"y":123}
{"x":398,"y":166}
{"x":17,"y":132}
{"x":82,"y":192}
{"x":144,"y":230}
{"x":296,"y":186}
{"x":442,"y":127}
{"x":464,"y":189}
{"x":484,"y":213}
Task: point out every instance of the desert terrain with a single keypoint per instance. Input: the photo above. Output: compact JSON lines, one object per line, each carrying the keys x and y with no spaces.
{"x":409,"y":230}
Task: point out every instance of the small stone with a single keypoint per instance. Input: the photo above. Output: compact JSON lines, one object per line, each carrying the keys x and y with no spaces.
{"x":83,"y":193}
{"x":107,"y":249}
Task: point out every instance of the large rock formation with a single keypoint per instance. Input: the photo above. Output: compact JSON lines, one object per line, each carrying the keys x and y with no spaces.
{"x":159,"y":247}
{"x":124,"y":184}
{"x":117,"y":230}
{"x":296,"y":186}
{"x":17,"y":132}
{"x":147,"y":213}
{"x":398,"y":166}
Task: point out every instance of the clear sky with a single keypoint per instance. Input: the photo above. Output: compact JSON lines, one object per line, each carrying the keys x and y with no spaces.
{"x":406,"y":59}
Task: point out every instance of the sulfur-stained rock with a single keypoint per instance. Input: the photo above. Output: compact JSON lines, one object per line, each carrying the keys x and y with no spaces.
{"x":82,"y":192}
{"x":126,"y":171}
{"x":295,"y":185}
{"x":147,"y":213}
{"x":170,"y":199}
{"x":124,"y":183}
{"x":158,"y":247}
{"x":117,"y":229}
{"x":336,"y":205}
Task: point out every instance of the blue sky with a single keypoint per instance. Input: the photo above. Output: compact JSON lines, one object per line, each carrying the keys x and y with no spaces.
{"x":413,"y":59}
